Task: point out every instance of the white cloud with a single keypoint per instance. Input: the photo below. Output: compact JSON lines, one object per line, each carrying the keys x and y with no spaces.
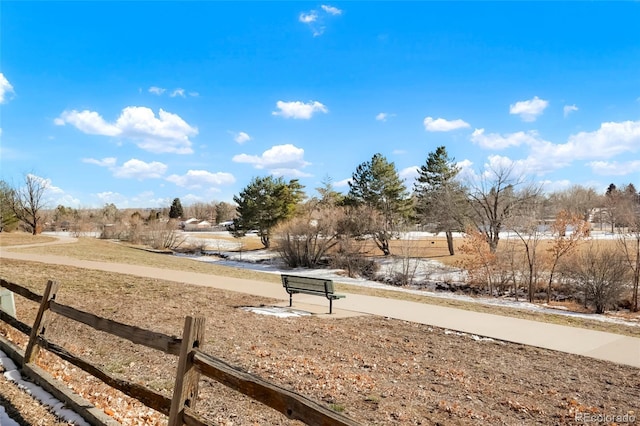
{"x":5,"y":89}
{"x":133,"y":168}
{"x":467,"y":172}
{"x":498,"y":162}
{"x":568,"y":109}
{"x":148,"y":198}
{"x":550,"y":186}
{"x":342,"y":183}
{"x":137,"y":169}
{"x":109,"y":197}
{"x":442,"y":125}
{"x":241,"y":137}
{"x":611,"y":139}
{"x":166,"y":133}
{"x":174,"y":93}
{"x":399,"y":152}
{"x":156,"y":90}
{"x":315,"y":20}
{"x":299,"y":110}
{"x":145,"y":198}
{"x":614,"y":168}
{"x":309,"y":17}
{"x":281,"y":160}
{"x":497,"y":141}
{"x":105,"y":162}
{"x":177,"y":92}
{"x":331,"y":10}
{"x":89,"y":122}
{"x":519,"y":169}
{"x":529,"y":110}
{"x":192,"y":199}
{"x":202,"y":178}
{"x":409,"y":174}
{"x":383,"y":116}
{"x":292,"y":173}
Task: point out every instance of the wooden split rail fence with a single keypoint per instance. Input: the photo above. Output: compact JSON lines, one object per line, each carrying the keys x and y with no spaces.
{"x":192,"y":364}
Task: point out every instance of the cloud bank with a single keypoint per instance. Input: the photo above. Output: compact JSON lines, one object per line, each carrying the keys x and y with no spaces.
{"x":165,"y":133}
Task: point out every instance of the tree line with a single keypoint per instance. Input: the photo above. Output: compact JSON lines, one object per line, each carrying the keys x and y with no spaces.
{"x":379,"y":207}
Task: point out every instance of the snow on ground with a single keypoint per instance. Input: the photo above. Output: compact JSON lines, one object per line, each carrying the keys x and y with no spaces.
{"x":5,"y":420}
{"x":277,"y":311}
{"x":225,"y":252}
{"x":57,"y":407}
{"x":208,"y":240}
{"x":426,"y":270}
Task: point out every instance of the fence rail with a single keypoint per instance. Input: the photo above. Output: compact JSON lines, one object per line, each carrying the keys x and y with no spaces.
{"x":192,"y":364}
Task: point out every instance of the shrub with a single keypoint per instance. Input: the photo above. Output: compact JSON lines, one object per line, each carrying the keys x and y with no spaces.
{"x":355,"y":264}
{"x":305,"y":241}
{"x":601,"y":274}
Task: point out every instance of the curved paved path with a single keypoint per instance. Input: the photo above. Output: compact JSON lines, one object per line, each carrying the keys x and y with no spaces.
{"x":595,"y":344}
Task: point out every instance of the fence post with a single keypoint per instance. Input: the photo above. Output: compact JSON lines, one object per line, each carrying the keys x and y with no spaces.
{"x":41,"y":322}
{"x":185,"y":391}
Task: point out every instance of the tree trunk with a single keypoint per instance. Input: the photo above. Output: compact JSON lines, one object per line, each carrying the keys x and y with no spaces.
{"x":493,"y":243}
{"x":385,"y":248}
{"x":634,"y":296}
{"x":636,"y":278}
{"x":449,"y":235}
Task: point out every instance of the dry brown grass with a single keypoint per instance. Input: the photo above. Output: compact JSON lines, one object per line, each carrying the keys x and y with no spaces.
{"x":374,"y":369}
{"x":22,"y":238}
{"x":108,"y":251}
{"x":422,"y":247}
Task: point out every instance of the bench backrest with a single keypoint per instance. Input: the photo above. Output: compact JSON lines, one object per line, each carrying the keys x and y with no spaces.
{"x":306,"y":283}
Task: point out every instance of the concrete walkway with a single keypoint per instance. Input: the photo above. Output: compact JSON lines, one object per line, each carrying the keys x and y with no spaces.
{"x":595,"y":344}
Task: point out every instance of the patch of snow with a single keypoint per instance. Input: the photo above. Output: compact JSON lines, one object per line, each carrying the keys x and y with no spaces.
{"x":56,"y":406}
{"x":482,"y":339}
{"x":5,"y":420}
{"x":276,"y":311}
{"x":427,"y":270}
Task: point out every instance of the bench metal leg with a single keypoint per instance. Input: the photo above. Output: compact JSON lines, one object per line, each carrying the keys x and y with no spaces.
{"x":330,"y":305}
{"x":290,"y":299}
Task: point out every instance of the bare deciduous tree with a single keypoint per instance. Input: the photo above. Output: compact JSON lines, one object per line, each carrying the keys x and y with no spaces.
{"x":601,"y":272}
{"x":27,"y":202}
{"x":629,"y":243}
{"x":576,"y":200}
{"x":568,"y":230}
{"x":479,"y":261}
{"x":305,"y":240}
{"x":495,"y":197}
{"x":162,"y":235}
{"x":526,"y":225}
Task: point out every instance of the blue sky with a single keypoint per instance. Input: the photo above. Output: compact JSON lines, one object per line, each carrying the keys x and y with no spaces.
{"x":137,"y":103}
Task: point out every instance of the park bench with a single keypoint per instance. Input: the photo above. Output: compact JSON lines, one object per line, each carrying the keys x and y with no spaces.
{"x":315,"y":286}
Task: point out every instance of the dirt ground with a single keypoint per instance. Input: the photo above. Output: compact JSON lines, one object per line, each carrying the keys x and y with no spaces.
{"x":373,"y":369}
{"x":21,"y":407}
